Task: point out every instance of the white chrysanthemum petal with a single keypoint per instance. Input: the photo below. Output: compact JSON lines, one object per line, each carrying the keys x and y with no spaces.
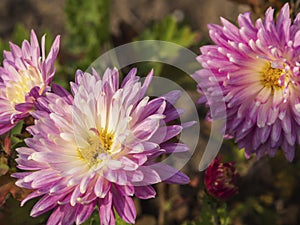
{"x":93,"y":148}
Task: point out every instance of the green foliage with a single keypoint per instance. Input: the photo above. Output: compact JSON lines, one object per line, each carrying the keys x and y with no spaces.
{"x":3,"y":46}
{"x":17,"y":215}
{"x":95,"y":220}
{"x":253,"y":209}
{"x":212,"y":212}
{"x":170,"y":30}
{"x":88,"y":28}
{"x":119,"y":221}
{"x":15,"y":139}
{"x":19,"y":34}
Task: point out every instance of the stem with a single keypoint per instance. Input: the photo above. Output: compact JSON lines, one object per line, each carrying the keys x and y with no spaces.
{"x":162,"y":201}
{"x":214,"y":210}
{"x":216,"y":217}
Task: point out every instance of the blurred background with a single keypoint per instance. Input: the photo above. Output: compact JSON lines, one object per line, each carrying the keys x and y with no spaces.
{"x":268,"y":188}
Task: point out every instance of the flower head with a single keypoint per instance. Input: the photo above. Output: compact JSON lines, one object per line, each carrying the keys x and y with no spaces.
{"x":221,"y":179}
{"x":98,"y":148}
{"x":256,"y":67}
{"x":26,"y":74}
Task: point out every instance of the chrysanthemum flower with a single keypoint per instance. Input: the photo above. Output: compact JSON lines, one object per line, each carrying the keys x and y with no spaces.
{"x":98,"y":148}
{"x":256,"y":67}
{"x":25,"y":75}
{"x":221,"y":179}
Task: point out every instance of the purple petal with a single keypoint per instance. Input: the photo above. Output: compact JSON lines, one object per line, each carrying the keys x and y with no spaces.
{"x":105,"y":210}
{"x":124,"y":206}
{"x":144,"y":192}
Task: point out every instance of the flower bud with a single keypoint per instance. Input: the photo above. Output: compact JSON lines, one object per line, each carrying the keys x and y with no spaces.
{"x":221,"y":179}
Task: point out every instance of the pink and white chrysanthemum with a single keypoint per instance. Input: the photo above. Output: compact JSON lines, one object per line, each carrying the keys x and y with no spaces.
{"x":256,"y":67}
{"x":25,"y":75}
{"x":99,"y":148}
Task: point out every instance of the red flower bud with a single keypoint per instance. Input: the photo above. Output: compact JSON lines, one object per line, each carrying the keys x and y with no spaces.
{"x":221,"y":179}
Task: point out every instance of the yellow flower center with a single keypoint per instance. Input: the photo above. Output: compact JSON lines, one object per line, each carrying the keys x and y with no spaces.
{"x":16,"y":91}
{"x":99,"y":143}
{"x":271,"y":76}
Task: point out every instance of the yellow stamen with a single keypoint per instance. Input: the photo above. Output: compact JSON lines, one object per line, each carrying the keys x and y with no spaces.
{"x":16,"y":91}
{"x":99,"y":143}
{"x":271,"y":76}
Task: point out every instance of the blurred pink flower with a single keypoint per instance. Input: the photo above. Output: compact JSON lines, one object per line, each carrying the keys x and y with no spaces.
{"x":24,"y":76}
{"x":98,"y":148}
{"x":221,"y":179}
{"x":256,"y":67}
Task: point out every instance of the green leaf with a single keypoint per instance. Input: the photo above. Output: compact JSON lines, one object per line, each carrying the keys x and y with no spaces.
{"x":93,"y":219}
{"x":4,"y":168}
{"x":119,"y":221}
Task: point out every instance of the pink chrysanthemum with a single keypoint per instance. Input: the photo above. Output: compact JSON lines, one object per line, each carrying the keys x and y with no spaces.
{"x":98,"y":148}
{"x":256,"y":67}
{"x":24,"y":75}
